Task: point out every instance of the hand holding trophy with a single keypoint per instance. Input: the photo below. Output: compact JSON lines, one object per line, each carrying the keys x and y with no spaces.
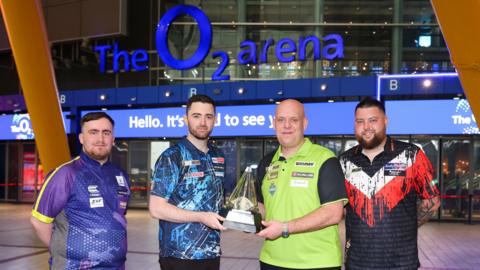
{"x":242,"y":205}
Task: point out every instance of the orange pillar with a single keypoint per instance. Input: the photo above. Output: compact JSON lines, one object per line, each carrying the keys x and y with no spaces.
{"x":27,"y":33}
{"x":460,"y":26}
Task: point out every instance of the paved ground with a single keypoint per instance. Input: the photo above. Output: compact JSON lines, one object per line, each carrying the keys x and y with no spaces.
{"x":441,"y":245}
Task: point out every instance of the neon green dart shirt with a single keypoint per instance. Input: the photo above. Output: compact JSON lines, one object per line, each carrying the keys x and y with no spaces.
{"x":292,"y":188}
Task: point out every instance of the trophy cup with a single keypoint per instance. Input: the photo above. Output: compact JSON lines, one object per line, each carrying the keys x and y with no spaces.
{"x":242,"y":205}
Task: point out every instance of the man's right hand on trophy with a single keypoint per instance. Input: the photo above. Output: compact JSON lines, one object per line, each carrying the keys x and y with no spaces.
{"x":212,"y":220}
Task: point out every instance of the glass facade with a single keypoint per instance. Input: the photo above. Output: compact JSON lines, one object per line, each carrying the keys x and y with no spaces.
{"x":457,"y":177}
{"x":393,"y":36}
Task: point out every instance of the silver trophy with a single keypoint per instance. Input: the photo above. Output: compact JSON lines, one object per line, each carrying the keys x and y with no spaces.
{"x":242,"y":206}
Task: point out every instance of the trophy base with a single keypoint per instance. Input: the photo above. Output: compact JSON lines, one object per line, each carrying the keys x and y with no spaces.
{"x":245,"y":221}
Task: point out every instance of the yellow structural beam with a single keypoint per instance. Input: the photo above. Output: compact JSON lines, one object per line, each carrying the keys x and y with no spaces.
{"x":460,"y":24}
{"x":27,"y":33}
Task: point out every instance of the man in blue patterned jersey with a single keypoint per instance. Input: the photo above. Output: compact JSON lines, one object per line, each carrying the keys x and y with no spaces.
{"x":80,"y":210}
{"x":187,"y":193}
{"x":391,"y":191}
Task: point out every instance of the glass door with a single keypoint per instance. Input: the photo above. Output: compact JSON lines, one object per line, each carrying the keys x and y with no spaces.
{"x":475,"y":184}
{"x":455,"y":178}
{"x":3,"y":171}
{"x":229,"y":149}
{"x":334,"y":144}
{"x":250,"y":153}
{"x":138,"y":168}
{"x":29,"y":173}
{"x":14,"y":163}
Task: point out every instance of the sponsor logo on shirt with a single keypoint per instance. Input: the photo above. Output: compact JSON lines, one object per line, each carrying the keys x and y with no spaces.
{"x":191,"y":162}
{"x":395,"y":169}
{"x":272,"y":175}
{"x":272,"y":189}
{"x":304,"y":163}
{"x":299,"y":183}
{"x":93,"y":190}
{"x":357,"y":169}
{"x":273,"y":168}
{"x":96,"y":202}
{"x":120,"y":180}
{"x":219,"y":160}
{"x":194,"y":174}
{"x":303,"y":174}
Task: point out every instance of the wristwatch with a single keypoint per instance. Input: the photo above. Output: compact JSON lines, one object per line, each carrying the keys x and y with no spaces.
{"x":285,"y":233}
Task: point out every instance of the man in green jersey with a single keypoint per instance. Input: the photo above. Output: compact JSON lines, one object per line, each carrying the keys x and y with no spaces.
{"x":301,"y":195}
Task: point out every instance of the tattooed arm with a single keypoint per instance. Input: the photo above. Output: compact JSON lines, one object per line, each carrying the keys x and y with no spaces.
{"x":426,"y":208}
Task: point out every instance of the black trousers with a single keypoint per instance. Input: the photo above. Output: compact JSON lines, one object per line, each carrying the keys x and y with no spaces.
{"x":170,"y":263}
{"x":266,"y":266}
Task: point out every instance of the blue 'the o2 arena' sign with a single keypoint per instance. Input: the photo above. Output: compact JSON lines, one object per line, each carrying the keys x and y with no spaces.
{"x":286,"y":50}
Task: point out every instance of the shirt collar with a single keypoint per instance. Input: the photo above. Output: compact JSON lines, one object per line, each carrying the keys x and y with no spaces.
{"x":90,"y":161}
{"x":190,"y":146}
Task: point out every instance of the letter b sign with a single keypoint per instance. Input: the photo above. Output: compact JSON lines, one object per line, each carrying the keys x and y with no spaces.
{"x":393,"y":85}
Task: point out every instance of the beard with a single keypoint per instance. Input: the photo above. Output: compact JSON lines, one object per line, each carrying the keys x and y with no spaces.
{"x":97,"y":155}
{"x":198,"y":135}
{"x":377,"y":139}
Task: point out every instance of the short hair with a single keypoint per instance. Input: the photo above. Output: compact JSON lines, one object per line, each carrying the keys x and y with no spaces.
{"x":91,"y":116}
{"x":369,"y":102}
{"x":202,"y":99}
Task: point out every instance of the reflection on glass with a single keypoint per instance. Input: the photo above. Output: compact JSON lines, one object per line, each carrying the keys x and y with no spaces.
{"x":138,"y":159}
{"x":13,"y":171}
{"x":250,"y":153}
{"x":334,"y":145}
{"x":475,"y":184}
{"x":3,"y":150}
{"x":229,"y":149}
{"x":455,"y":171}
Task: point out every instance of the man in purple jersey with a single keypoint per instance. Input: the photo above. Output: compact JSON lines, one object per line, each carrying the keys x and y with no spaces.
{"x":80,"y":210}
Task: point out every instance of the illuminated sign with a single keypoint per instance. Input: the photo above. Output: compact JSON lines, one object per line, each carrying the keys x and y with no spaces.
{"x":430,"y":117}
{"x":251,"y":120}
{"x":392,"y":83}
{"x":405,"y":117}
{"x":19,"y":126}
{"x":286,"y":50}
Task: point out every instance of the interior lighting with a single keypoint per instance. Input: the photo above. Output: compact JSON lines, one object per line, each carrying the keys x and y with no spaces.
{"x":427,"y":83}
{"x":423,"y":75}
